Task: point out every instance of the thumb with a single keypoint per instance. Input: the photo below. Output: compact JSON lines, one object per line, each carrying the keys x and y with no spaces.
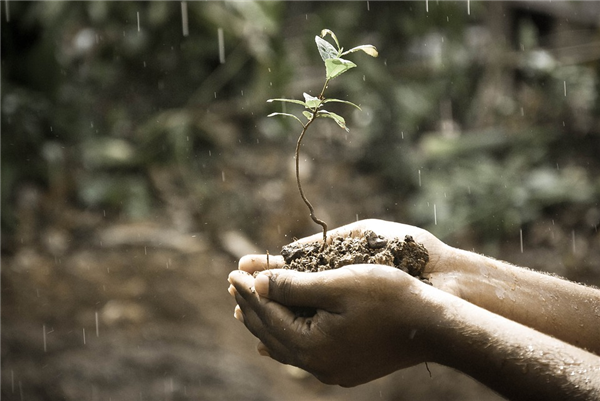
{"x":293,"y":288}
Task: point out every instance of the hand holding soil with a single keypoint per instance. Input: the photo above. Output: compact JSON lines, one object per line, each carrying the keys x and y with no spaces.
{"x":484,"y":317}
{"x":369,"y":320}
{"x":437,"y":270}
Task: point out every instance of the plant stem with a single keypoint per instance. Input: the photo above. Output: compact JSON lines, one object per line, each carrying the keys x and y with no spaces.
{"x":304,"y":198}
{"x":308,"y":204}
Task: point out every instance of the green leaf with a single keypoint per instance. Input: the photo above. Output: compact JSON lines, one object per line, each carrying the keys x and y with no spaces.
{"x":307,"y":114}
{"x":335,"y":117}
{"x":286,"y":115}
{"x":311,"y":101}
{"x":324,"y":32}
{"x":369,"y":49}
{"x":288,"y":101}
{"x":337,"y":66}
{"x":326,"y":49}
{"x":341,"y":101}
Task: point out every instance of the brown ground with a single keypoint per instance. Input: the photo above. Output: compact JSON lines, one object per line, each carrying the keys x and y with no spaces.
{"x":100,"y":307}
{"x":104,"y":310}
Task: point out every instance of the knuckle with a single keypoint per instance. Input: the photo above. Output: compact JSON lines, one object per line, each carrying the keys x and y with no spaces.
{"x":285,"y":288}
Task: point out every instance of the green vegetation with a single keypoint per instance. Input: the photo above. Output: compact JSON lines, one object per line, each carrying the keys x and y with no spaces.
{"x":492,"y":117}
{"x":335,"y":66}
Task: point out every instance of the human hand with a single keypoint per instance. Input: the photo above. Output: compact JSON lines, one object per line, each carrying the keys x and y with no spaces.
{"x":370,"y":320}
{"x":440,"y":270}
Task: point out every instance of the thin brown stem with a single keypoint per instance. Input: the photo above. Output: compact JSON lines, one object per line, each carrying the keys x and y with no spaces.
{"x":308,"y":204}
{"x":323,"y":90}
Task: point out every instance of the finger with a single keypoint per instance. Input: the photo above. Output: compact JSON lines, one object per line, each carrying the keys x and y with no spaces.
{"x":252,"y":304}
{"x":280,"y":354}
{"x":320,"y":290}
{"x":262,"y":349}
{"x":254,"y":263}
{"x":243,"y":286}
{"x":274,"y":325}
{"x":238,"y":314}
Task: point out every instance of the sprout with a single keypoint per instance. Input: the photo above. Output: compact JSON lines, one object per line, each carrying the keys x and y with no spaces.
{"x":335,"y":66}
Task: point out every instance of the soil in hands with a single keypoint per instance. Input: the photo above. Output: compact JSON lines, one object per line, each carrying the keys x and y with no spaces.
{"x":406,"y":255}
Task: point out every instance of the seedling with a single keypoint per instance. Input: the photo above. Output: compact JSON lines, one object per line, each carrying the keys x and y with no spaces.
{"x":335,"y":66}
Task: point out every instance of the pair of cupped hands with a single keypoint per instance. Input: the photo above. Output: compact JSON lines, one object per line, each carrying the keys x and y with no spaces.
{"x":370,"y":320}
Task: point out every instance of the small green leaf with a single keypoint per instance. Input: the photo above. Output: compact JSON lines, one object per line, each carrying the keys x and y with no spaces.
{"x":286,"y":115}
{"x":307,"y":114}
{"x":311,"y":101}
{"x":335,"y":117}
{"x":324,"y":32}
{"x":288,"y":101}
{"x":337,"y":66}
{"x":342,"y":101}
{"x":369,"y":49}
{"x":326,"y":49}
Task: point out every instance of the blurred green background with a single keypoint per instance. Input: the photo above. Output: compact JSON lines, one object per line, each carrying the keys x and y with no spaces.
{"x":135,"y":137}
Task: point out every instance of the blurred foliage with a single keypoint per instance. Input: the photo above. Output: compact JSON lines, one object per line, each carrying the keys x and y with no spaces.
{"x":464,"y":112}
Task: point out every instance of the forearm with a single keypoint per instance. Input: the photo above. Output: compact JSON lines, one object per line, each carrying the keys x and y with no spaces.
{"x":516,"y":361}
{"x":565,"y":310}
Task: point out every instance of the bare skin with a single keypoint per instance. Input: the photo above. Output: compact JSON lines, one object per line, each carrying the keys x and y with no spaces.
{"x":484,"y":317}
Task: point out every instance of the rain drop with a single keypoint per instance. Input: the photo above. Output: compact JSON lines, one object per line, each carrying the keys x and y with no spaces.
{"x":434,"y":214}
{"x":138,"y":20}
{"x":44,"y":335}
{"x":184,"y":18}
{"x":221,"y":46}
{"x":97,"y":325}
{"x":6,"y":11}
{"x":521,"y":238}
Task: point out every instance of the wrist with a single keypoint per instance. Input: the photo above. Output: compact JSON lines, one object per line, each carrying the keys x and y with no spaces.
{"x":430,"y":320}
{"x":449,"y":270}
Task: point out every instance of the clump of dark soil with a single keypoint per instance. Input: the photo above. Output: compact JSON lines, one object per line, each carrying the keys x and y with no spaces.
{"x":406,"y":255}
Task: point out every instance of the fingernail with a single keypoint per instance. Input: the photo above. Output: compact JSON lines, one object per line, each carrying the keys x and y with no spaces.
{"x":263,"y":351}
{"x":256,"y":293}
{"x":231,"y":290}
{"x":237,"y":313}
{"x":261,"y":284}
